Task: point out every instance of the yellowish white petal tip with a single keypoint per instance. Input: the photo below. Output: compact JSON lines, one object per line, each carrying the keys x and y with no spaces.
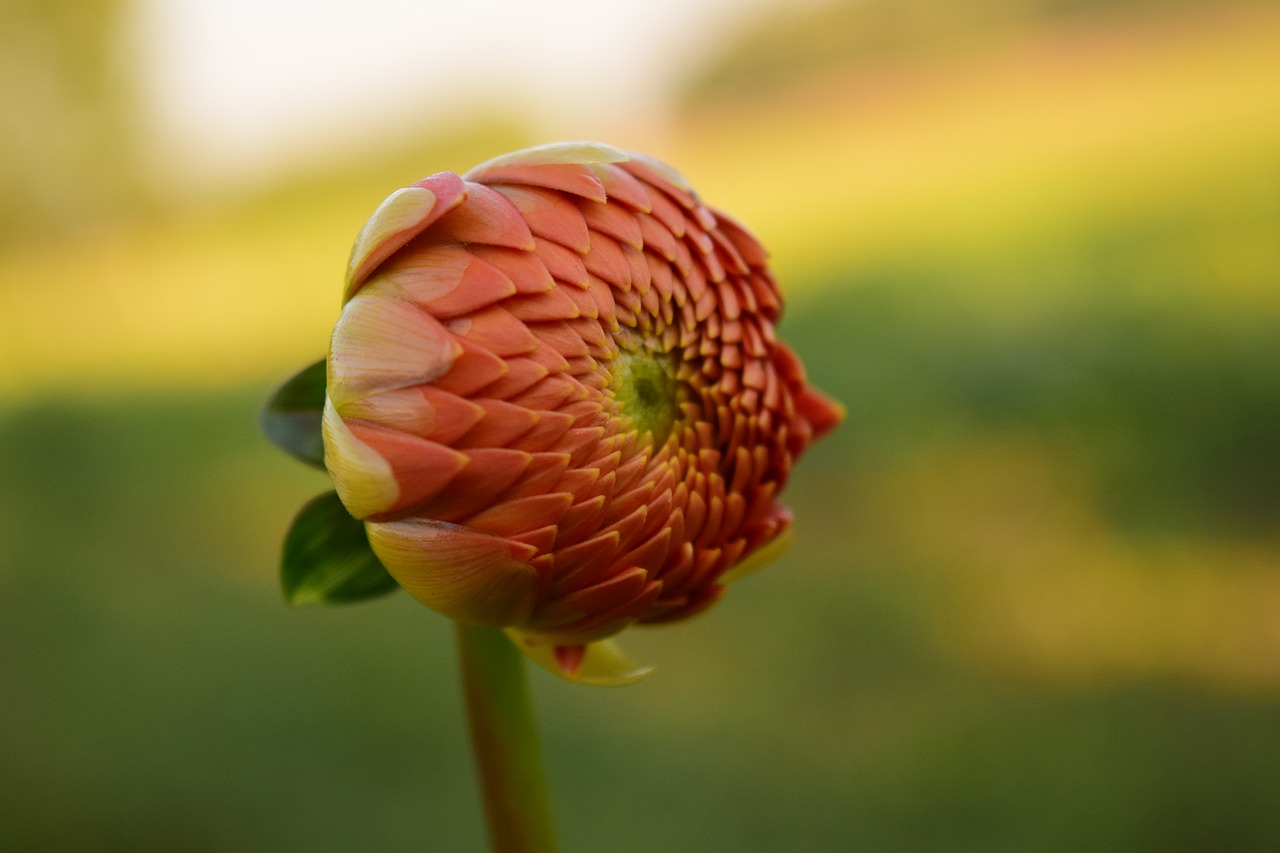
{"x":665,"y":171}
{"x":603,"y":663}
{"x":557,"y":153}
{"x":399,"y":212}
{"x":363,"y":479}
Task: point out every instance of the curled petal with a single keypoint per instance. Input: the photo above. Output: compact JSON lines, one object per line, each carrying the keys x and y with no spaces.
{"x":469,"y":576}
{"x":405,"y":214}
{"x":363,"y":478}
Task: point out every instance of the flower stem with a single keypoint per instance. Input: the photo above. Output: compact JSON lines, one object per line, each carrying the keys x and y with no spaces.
{"x":505,"y":741}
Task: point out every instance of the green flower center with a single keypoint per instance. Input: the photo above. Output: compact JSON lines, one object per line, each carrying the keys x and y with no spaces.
{"x":646,"y":390}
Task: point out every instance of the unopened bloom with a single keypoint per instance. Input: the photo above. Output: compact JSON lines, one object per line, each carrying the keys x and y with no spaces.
{"x":556,"y":398}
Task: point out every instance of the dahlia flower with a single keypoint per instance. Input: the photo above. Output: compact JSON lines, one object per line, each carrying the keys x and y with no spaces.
{"x":556,"y":400}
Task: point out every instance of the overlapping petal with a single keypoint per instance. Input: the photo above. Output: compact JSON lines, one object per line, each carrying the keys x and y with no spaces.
{"x":556,"y":396}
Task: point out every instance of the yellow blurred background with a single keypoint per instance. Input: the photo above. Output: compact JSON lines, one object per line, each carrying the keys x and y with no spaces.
{"x":1033,"y":246}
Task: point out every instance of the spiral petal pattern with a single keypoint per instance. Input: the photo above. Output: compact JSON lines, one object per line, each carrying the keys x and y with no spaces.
{"x":557,"y":399}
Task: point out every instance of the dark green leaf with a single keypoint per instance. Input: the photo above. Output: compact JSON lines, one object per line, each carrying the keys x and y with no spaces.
{"x":327,"y":558}
{"x":291,"y":417}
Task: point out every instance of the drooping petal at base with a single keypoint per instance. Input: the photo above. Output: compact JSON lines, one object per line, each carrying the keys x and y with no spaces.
{"x":598,"y":664}
{"x":469,"y":576}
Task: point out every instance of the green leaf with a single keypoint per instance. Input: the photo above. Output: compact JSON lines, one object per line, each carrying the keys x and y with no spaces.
{"x":291,"y":417}
{"x":327,"y":558}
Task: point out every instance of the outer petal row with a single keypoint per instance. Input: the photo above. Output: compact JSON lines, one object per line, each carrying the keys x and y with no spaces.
{"x":469,"y":576}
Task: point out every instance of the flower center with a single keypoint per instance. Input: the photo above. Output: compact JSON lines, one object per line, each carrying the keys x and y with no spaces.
{"x":645,"y":388}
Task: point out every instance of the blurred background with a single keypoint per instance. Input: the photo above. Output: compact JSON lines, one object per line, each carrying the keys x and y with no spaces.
{"x":1033,"y":245}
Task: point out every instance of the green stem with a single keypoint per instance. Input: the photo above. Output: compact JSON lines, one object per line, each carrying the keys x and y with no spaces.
{"x":505,"y":741}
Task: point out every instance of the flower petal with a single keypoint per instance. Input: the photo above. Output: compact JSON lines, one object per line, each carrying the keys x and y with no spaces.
{"x":422,"y":468}
{"x":486,"y":217}
{"x":554,"y":153}
{"x":404,"y":214}
{"x":466,"y":575}
{"x":549,"y":214}
{"x":380,"y":344}
{"x":602,"y":663}
{"x":761,"y":557}
{"x":361,"y":476}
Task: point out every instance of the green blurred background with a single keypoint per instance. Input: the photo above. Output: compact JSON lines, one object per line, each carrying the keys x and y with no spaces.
{"x":1034,"y":603}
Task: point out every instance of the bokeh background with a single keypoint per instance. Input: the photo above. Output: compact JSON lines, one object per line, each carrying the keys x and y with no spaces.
{"x":1033,"y":245}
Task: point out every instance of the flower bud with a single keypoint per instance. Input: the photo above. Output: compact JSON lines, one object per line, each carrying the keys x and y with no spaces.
{"x":556,"y":399}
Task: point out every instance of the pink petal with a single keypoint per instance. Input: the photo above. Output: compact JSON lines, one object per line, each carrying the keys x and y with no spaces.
{"x":524,"y":268}
{"x":422,"y":410}
{"x":564,"y":264}
{"x":476,"y":368}
{"x":489,"y":473}
{"x":521,"y":514}
{"x":657,"y":236}
{"x":748,"y":246}
{"x":621,"y":186}
{"x":522,"y":373}
{"x":549,"y":215}
{"x":572,"y":179}
{"x":547,"y":433}
{"x":485,"y":217}
{"x":447,"y":280}
{"x":552,"y":305}
{"x":545,"y":471}
{"x":614,"y":220}
{"x":502,"y":424}
{"x":421,"y":467}
{"x":497,"y":330}
{"x":578,"y":521}
{"x":380,"y":344}
{"x":606,"y":261}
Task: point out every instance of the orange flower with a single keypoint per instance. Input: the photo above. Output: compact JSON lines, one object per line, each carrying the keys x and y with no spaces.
{"x":556,"y":399}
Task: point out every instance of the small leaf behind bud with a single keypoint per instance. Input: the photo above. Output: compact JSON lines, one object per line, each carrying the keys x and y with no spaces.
{"x":327,"y":558}
{"x":291,"y":417}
